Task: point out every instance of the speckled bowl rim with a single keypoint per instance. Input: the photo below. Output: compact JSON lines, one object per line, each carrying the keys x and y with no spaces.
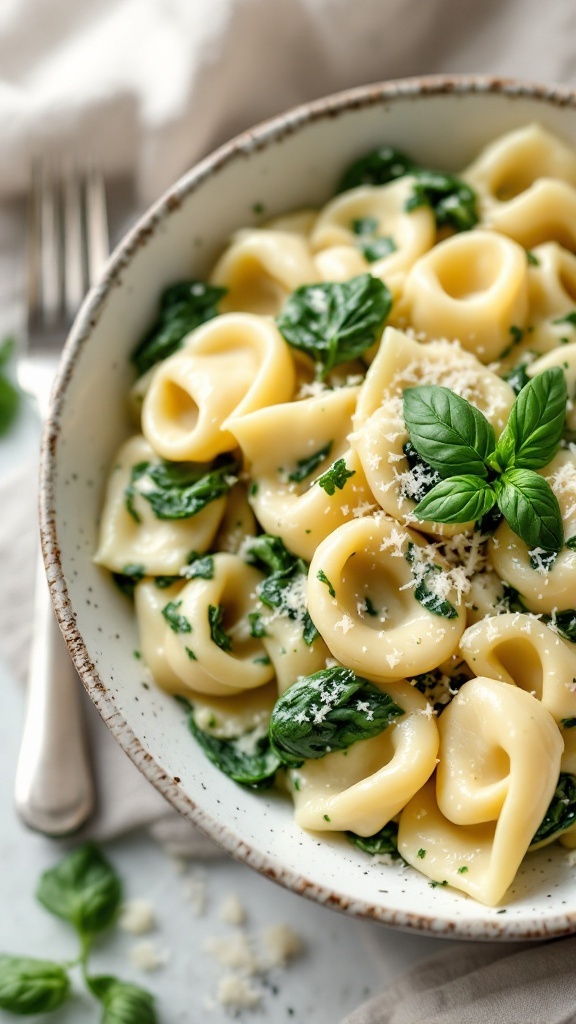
{"x":263,"y":135}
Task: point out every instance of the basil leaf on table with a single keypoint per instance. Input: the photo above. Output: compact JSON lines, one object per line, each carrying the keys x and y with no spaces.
{"x":183,"y":307}
{"x":82,"y":889}
{"x":377,"y":168}
{"x":451,"y":435}
{"x":328,"y":711}
{"x":460,"y":499}
{"x":123,"y":1003}
{"x":531,"y":508}
{"x":335,"y":322}
{"x":532,"y":434}
{"x":29,"y":986}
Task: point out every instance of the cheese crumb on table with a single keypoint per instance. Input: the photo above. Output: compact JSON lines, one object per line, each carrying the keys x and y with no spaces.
{"x":232,"y":910}
{"x":137,"y":917}
{"x":147,"y":956}
{"x":237,"y":993}
{"x":281,"y":945}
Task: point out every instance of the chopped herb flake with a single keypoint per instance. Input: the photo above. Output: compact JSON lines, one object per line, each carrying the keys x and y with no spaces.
{"x":335,"y":477}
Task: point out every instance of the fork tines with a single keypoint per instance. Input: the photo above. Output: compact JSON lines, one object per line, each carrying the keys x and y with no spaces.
{"x":68,"y":241}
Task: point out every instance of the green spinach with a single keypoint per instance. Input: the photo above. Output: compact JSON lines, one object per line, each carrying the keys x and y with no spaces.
{"x":334,"y":322}
{"x":561,"y":813}
{"x":178,"y":490}
{"x":183,"y":307}
{"x":328,"y":711}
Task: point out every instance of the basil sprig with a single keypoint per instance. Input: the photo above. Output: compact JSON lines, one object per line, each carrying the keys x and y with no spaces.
{"x":183,"y":307}
{"x":9,"y":393}
{"x":334,"y":322}
{"x":84,"y":890}
{"x":328,"y":711}
{"x":457,"y":440}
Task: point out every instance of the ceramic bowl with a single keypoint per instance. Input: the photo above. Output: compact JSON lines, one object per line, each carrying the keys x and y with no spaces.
{"x":288,"y":162}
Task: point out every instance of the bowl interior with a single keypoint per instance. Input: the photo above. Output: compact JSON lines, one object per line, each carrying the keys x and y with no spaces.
{"x":288,"y":163}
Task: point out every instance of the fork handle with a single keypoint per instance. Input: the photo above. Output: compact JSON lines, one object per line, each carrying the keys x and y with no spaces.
{"x":54,"y":792}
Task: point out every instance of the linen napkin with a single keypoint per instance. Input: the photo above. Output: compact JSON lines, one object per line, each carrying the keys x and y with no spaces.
{"x":482,"y":984}
{"x":146,"y":87}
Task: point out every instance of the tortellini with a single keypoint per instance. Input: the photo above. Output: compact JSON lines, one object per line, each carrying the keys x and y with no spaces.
{"x":264,"y":513}
{"x":474,"y":824}
{"x":382,"y":605}
{"x":228,"y":367}
{"x":363,"y":788}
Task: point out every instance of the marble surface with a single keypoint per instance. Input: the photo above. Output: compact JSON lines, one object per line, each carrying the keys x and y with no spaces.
{"x":344,"y":961}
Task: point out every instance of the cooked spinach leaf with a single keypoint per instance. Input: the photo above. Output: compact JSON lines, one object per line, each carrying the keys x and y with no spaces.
{"x":217,"y":631}
{"x":335,"y":477}
{"x":183,"y":307}
{"x":453,"y":202}
{"x":561,"y":813}
{"x":199,"y":567}
{"x":564,"y":622}
{"x":383,"y":842}
{"x":328,"y":711}
{"x":178,"y":490}
{"x":334,"y":322}
{"x":248,"y":759}
{"x":306,"y":466}
{"x":178,"y":623}
{"x":284,"y":589}
{"x":377,"y":168}
{"x":423,"y":476}
{"x":422,"y":592}
{"x":128,"y":578}
{"x":438,"y":687}
{"x":377,"y":248}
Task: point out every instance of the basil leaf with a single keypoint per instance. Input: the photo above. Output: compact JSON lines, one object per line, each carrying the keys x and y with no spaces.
{"x":248,"y":759}
{"x":9,"y":404}
{"x":561,"y":813}
{"x":449,"y":433}
{"x":305,"y":467}
{"x":532,"y":434}
{"x":123,"y":1003}
{"x":451,"y":199}
{"x":378,"y":168}
{"x":178,"y":623}
{"x":30,"y":986}
{"x":335,"y":322}
{"x":183,"y":307}
{"x":179,"y":490}
{"x":530,"y":508}
{"x":382,"y":842}
{"x":328,"y":711}
{"x":217,"y":631}
{"x":460,"y":499}
{"x":82,"y":889}
{"x":335,"y":478}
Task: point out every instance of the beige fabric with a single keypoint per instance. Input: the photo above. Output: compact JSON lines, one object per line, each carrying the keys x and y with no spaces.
{"x":482,"y":984}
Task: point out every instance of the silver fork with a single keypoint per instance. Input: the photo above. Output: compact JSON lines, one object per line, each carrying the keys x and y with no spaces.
{"x":68,"y":246}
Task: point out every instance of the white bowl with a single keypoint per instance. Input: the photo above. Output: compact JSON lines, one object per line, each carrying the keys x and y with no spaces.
{"x":291,"y":161}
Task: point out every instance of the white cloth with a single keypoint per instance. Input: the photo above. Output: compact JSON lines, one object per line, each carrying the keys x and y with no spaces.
{"x":145,"y":88}
{"x":148,"y":86}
